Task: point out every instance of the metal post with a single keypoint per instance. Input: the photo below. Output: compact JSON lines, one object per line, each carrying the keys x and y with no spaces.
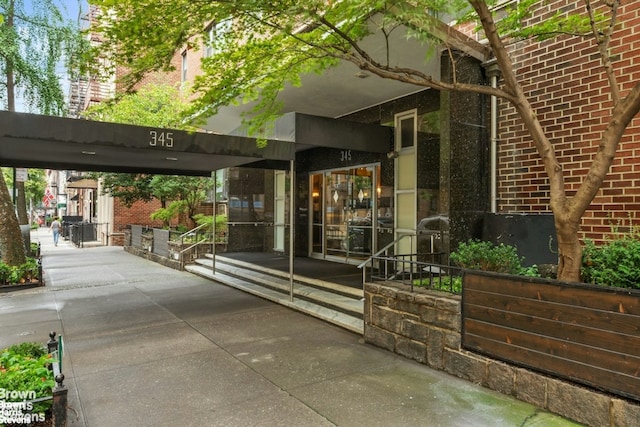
{"x":59,"y":406}
{"x":291,"y":223}
{"x":52,"y":345}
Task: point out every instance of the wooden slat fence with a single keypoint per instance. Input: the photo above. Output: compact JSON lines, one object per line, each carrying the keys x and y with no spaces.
{"x":582,"y":333}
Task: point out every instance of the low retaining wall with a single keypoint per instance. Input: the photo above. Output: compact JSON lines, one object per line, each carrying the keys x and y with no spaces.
{"x":167,"y":262}
{"x":581,"y":333}
{"x":426,"y":326}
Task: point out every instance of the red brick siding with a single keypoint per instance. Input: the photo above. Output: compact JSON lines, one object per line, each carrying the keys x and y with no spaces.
{"x":570,"y":94}
{"x":139,"y":214}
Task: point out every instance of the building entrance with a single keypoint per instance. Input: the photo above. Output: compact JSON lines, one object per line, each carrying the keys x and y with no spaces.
{"x":345,"y":213}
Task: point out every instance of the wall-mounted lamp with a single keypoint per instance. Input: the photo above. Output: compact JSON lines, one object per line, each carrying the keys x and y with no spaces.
{"x":392,"y":154}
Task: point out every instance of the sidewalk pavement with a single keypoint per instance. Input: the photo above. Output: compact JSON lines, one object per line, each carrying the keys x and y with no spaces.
{"x":146,"y":345}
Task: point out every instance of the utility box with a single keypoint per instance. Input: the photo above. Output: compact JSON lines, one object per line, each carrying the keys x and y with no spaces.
{"x":533,"y":234}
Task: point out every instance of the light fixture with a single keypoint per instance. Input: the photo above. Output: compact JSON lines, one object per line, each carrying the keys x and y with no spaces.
{"x":89,"y":153}
{"x":175,"y":159}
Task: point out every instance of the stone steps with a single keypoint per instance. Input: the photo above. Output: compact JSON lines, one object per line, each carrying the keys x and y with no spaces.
{"x":332,"y":302}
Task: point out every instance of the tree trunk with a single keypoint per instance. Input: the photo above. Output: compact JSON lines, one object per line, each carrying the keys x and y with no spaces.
{"x":569,"y":249}
{"x":12,"y":247}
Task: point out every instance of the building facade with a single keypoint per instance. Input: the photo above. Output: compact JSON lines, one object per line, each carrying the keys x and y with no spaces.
{"x":570,"y":93}
{"x":456,"y":168}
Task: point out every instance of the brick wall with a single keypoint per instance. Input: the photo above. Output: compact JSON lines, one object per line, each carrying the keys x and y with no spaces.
{"x":171,"y":77}
{"x":138,"y":214}
{"x":570,"y":95}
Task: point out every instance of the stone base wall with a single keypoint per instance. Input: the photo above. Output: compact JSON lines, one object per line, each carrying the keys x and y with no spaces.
{"x":426,"y":326}
{"x":153,"y":257}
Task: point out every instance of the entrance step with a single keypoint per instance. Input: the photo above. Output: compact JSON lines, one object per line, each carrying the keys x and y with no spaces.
{"x":332,"y":302}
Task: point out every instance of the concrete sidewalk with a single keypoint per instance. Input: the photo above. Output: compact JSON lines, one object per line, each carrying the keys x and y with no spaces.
{"x":150,"y":346}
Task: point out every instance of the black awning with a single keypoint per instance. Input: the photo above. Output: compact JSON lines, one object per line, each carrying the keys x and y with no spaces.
{"x":47,"y":142}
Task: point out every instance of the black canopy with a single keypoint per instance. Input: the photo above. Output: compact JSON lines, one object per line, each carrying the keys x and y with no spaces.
{"x":36,"y":141}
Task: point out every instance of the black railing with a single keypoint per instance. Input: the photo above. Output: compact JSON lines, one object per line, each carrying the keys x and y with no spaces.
{"x":424,"y":271}
{"x":82,"y":232}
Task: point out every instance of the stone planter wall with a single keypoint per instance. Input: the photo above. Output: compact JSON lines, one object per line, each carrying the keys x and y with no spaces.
{"x":167,"y":262}
{"x":426,"y":326}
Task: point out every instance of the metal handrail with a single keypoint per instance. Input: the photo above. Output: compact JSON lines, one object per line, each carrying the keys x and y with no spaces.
{"x":377,"y":254}
{"x":430,"y":275}
{"x":181,"y":240}
{"x":384,"y":250}
{"x":181,"y":253}
{"x":254,"y":223}
{"x":185,"y":234}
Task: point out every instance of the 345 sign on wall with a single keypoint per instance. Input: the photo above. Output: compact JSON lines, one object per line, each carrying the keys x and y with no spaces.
{"x":160,"y":139}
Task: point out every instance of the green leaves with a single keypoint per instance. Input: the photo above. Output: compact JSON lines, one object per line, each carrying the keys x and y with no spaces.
{"x":24,"y":368}
{"x":23,"y":273}
{"x":32,"y":45}
{"x":514,"y":20}
{"x":615,"y":263}
{"x":156,"y":105}
{"x":483,"y":255}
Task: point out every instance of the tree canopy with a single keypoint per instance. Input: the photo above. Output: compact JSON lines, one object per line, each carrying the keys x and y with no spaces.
{"x":157,"y":105}
{"x":34,"y":42}
{"x":259,"y":47}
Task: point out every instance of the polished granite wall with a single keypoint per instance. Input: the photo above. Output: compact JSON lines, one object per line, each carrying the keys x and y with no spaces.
{"x":452,"y":175}
{"x":464,"y":154}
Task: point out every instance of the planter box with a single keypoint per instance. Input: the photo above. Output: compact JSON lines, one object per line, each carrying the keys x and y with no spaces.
{"x":427,"y":326}
{"x":583,"y":333}
{"x":147,"y":242}
{"x":20,"y":286}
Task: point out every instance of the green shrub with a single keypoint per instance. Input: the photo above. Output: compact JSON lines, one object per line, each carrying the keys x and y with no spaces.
{"x":19,"y":274}
{"x":35,"y":249}
{"x":221,"y":224}
{"x":481,"y":255}
{"x":29,"y":349}
{"x":5,"y":273}
{"x":25,"y":368}
{"x":452,"y":284}
{"x":616,"y":263}
{"x":174,"y":209}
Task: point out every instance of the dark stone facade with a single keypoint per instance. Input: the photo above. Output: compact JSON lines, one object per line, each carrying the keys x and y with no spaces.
{"x":452,"y":171}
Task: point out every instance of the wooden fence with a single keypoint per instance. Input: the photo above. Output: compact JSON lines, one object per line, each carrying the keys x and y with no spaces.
{"x":582,"y":333}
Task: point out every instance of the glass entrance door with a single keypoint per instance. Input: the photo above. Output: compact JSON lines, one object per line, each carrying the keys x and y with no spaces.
{"x":344,"y":213}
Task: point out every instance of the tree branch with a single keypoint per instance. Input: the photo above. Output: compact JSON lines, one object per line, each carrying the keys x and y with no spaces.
{"x":623,"y":112}
{"x":523,"y":107}
{"x":603,"y":40}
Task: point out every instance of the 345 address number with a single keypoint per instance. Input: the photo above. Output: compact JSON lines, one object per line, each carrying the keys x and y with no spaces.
{"x":160,"y":139}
